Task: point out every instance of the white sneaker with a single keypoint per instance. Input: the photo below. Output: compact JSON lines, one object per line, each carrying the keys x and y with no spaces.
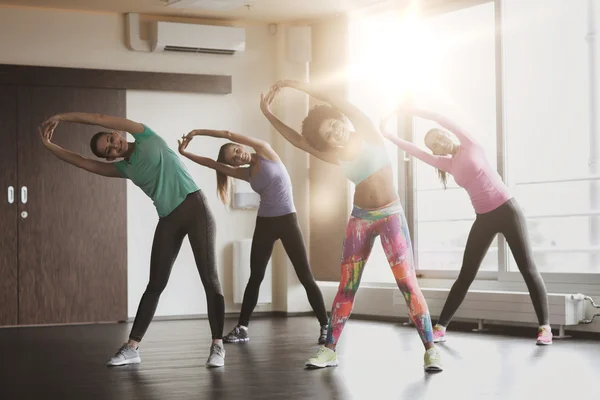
{"x":325,"y":358}
{"x":433,"y":361}
{"x":216,"y":357}
{"x":126,"y":355}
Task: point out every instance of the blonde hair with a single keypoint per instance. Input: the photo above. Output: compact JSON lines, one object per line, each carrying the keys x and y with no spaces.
{"x":442,"y":175}
{"x":223,"y":181}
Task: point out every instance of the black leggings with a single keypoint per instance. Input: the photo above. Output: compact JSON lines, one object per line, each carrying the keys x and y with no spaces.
{"x":268,"y":230}
{"x":193,"y":218}
{"x":508,"y":219}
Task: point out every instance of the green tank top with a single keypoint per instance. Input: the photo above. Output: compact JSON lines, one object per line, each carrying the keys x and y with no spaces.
{"x":158,"y":171}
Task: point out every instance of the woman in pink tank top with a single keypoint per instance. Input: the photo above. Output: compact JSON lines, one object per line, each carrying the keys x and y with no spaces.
{"x":496,"y":212}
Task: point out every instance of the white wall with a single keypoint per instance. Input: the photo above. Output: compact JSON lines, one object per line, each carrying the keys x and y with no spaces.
{"x":171,"y":115}
{"x":96,"y":40}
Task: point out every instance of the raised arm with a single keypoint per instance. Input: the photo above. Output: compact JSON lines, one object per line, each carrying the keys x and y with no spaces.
{"x":444,"y":122}
{"x":234,"y":172}
{"x":289,"y":134}
{"x":261,"y":147}
{"x":106,"y":121}
{"x":93,"y":166}
{"x":362,"y":123}
{"x":440,"y":162}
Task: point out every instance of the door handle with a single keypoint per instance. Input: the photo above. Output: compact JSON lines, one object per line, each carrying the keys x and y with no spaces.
{"x":24,"y":195}
{"x":11,"y":195}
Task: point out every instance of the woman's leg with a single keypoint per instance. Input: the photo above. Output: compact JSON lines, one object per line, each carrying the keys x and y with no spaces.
{"x":356,"y":250}
{"x":168,"y":237}
{"x":201,"y":235}
{"x":514,"y":229}
{"x":397,"y":246}
{"x":260,"y":253}
{"x":293,"y":242}
{"x":480,"y":238}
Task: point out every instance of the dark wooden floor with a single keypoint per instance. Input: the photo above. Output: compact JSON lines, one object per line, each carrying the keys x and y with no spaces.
{"x":378,"y":360}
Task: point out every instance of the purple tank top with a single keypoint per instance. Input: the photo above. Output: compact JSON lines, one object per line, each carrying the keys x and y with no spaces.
{"x":272,"y":182}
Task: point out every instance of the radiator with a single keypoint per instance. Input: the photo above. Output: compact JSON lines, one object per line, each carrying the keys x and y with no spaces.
{"x":502,"y":306}
{"x":241,"y":274}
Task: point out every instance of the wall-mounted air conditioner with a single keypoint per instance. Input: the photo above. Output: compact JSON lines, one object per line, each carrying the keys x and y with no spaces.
{"x":194,"y":38}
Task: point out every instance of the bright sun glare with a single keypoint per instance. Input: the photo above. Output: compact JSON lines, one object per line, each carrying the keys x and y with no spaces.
{"x":397,"y":54}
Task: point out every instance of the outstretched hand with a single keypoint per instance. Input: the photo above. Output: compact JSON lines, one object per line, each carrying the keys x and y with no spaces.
{"x":266,"y":100}
{"x":52,"y":122}
{"x":46,"y":134}
{"x":183,"y":143}
{"x":294,"y":84}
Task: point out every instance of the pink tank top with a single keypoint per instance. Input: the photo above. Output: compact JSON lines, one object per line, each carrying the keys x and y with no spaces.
{"x":468,"y":166}
{"x":471,"y":171}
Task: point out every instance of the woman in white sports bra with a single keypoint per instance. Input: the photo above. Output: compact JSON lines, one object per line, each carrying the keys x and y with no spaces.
{"x":377,"y":210}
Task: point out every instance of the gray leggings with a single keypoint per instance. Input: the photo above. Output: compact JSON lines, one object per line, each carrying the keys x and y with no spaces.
{"x":193,"y":218}
{"x":508,"y":219}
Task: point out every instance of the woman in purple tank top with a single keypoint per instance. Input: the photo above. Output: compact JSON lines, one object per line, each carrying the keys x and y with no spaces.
{"x":276,"y":217}
{"x":496,"y":212}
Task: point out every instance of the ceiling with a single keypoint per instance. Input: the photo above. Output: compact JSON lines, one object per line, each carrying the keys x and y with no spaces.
{"x":260,"y":10}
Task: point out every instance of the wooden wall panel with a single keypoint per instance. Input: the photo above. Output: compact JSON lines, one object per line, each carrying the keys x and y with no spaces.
{"x":8,"y":212}
{"x":72,"y":245}
{"x":112,"y":79}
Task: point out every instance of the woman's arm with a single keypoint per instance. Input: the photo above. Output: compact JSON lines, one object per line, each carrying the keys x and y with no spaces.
{"x":289,"y":134}
{"x":463,"y":137}
{"x":362,"y":123}
{"x":234,"y":172}
{"x":439,"y":162}
{"x":93,"y":166}
{"x":261,"y":147}
{"x":106,"y":121}
{"x":443,"y":163}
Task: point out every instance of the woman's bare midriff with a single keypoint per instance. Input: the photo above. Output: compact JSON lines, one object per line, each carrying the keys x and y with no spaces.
{"x":377,"y":190}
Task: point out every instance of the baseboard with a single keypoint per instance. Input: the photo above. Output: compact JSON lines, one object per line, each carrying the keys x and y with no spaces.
{"x":457,"y":325}
{"x":255,"y":315}
{"x":493,"y":328}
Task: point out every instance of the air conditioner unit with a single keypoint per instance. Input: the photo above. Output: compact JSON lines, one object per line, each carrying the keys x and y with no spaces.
{"x":194,"y":38}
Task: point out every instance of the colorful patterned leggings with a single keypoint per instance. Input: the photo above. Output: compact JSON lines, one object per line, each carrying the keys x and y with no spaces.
{"x":364,"y":226}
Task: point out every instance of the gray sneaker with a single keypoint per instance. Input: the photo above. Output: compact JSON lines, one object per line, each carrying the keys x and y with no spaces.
{"x":237,"y":335}
{"x":217,"y":356}
{"x":125,"y":355}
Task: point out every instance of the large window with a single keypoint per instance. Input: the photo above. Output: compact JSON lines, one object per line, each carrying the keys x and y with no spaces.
{"x":465,"y":93}
{"x":549,"y":142}
{"x":553,"y":148}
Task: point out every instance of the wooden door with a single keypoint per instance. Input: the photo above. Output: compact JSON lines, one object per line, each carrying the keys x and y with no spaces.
{"x":72,"y":243}
{"x":8,"y":209}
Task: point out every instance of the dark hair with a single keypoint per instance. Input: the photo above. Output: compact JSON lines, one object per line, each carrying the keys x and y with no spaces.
{"x":94,"y":144}
{"x":222,"y":179}
{"x":312,"y":123}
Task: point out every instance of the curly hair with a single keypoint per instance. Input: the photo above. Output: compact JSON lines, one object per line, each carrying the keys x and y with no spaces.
{"x":312,"y":123}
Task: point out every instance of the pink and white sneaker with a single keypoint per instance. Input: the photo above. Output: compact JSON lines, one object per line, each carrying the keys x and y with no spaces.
{"x":544,"y":336}
{"x":439,"y":334}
